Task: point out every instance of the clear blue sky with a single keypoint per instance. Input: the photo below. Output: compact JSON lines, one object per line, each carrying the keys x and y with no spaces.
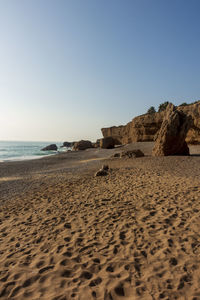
{"x":70,"y":67}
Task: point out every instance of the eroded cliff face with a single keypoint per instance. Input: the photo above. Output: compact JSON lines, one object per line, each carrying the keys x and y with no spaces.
{"x":193,"y":136}
{"x":143,"y":128}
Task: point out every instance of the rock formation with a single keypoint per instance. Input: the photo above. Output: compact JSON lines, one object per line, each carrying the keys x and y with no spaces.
{"x":96,"y":144}
{"x":143,"y":128}
{"x":193,"y":110}
{"x":68,"y":144}
{"x":107,"y":143}
{"x":50,"y":147}
{"x":132,"y":153}
{"x":82,"y":145}
{"x":170,"y":140}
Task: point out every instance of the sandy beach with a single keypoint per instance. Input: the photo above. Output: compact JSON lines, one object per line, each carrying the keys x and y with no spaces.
{"x":133,"y":234}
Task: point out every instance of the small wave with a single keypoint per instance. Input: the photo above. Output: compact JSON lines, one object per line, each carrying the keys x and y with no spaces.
{"x":45,"y":154}
{"x":15,"y":151}
{"x":64,"y":149}
{"x":21,"y":158}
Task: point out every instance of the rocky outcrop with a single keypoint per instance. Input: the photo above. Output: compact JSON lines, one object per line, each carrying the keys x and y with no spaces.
{"x":96,"y":144}
{"x":68,"y":144}
{"x":143,"y":128}
{"x":82,"y":145}
{"x":128,"y":154}
{"x":107,"y":143}
{"x":170,"y":139}
{"x":132,"y":153}
{"x":193,"y":135}
{"x":50,"y":147}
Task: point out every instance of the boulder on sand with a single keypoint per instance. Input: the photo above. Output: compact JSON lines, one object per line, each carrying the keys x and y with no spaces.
{"x":116,"y":155}
{"x":82,"y":145}
{"x":103,"y":171}
{"x":107,"y":143}
{"x":170,"y":140}
{"x":50,"y":147}
{"x":132,"y":153}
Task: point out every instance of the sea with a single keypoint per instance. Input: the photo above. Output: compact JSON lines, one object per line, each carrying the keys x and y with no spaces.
{"x":15,"y":151}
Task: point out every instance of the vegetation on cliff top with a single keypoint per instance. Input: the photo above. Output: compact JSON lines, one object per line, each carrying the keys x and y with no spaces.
{"x":163,"y":106}
{"x":151,"y":110}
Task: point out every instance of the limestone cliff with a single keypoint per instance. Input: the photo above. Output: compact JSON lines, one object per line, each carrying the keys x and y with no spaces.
{"x":143,"y":128}
{"x":193,"y":136}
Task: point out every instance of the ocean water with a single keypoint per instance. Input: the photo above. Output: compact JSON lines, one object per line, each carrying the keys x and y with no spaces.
{"x":13,"y":151}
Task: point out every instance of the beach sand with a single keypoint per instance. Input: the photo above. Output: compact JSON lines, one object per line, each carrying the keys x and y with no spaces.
{"x":134,"y":234}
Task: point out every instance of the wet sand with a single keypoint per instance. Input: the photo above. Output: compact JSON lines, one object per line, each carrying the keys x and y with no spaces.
{"x":134,"y":234}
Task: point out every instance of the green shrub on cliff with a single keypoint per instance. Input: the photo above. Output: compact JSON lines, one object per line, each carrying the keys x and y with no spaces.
{"x":163,"y":106}
{"x":151,"y":110}
{"x":184,"y":104}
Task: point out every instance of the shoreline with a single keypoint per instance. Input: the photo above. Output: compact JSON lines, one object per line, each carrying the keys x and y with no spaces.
{"x":194,"y":149}
{"x":25,"y":158}
{"x":27,"y":150}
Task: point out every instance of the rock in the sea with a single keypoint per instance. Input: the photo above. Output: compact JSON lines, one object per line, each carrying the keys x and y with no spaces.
{"x":68,"y":144}
{"x":50,"y":147}
{"x":170,"y":140}
{"x":107,"y":143}
{"x":132,"y":153}
{"x":82,"y":145}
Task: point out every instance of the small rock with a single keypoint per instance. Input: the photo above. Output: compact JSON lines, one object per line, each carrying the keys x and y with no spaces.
{"x":116,"y":155}
{"x":173,"y":261}
{"x":101,"y":173}
{"x":105,"y":167}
